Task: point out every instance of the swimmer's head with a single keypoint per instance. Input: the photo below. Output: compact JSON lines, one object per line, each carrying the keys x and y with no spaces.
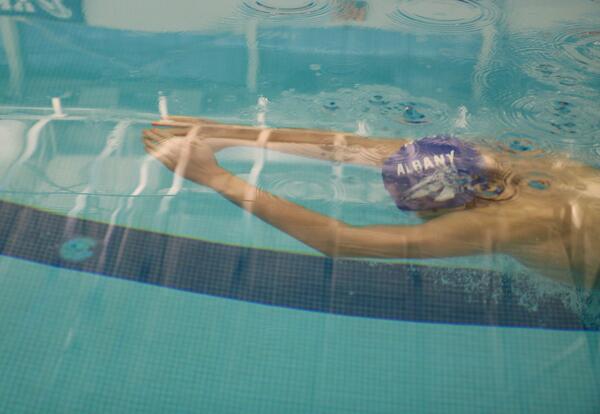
{"x":438,"y":174}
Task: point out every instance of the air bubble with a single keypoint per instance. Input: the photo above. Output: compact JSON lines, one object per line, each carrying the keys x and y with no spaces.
{"x":331,"y":105}
{"x":539,"y":184}
{"x":378,"y":100}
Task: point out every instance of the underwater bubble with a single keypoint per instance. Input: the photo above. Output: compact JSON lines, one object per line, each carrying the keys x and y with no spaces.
{"x":582,"y":48}
{"x":378,"y":100}
{"x":288,"y":10}
{"x":521,"y":145}
{"x":539,"y":184}
{"x":445,"y":16}
{"x":414,"y":113}
{"x":331,"y":105}
{"x":425,"y":115}
{"x":387,"y":110}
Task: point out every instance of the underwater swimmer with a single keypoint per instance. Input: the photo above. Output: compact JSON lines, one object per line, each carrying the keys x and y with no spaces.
{"x":543,"y":211}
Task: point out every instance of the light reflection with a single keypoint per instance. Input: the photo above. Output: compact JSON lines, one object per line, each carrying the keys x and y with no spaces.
{"x":10,"y":40}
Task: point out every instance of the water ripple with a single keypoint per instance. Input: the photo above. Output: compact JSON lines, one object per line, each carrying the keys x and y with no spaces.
{"x":553,"y":74}
{"x":445,"y":16}
{"x":305,"y":186}
{"x":522,"y":145}
{"x":568,"y":119}
{"x":582,"y":48}
{"x":288,"y":10}
{"x":417,"y":111}
{"x":387,"y":110}
{"x":493,"y":83}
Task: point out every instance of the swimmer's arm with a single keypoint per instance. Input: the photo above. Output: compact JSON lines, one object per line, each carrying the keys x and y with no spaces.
{"x":325,"y":145}
{"x":334,"y":147}
{"x":456,"y":234}
{"x":459,"y":233}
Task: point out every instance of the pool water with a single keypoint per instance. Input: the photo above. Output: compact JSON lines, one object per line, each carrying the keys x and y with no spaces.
{"x":125,"y":289}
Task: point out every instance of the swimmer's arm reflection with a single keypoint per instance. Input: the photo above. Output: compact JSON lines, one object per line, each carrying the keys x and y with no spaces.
{"x":326,"y":145}
{"x":460,"y":233}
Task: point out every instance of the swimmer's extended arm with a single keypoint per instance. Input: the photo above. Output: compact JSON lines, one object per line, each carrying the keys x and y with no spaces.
{"x":325,"y":145}
{"x":455,"y":234}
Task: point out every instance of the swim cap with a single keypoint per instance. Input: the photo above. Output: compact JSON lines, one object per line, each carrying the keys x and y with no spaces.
{"x":433,"y":172}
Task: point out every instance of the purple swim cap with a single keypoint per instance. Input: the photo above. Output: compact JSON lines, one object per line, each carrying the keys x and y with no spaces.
{"x":433,"y":172}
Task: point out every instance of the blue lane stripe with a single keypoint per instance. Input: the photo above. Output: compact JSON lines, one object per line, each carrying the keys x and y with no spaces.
{"x":347,"y":287}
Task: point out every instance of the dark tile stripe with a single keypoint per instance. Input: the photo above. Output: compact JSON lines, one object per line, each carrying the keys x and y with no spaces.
{"x":348,"y":287}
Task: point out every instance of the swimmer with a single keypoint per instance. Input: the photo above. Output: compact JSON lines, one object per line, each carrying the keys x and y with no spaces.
{"x":474,"y":200}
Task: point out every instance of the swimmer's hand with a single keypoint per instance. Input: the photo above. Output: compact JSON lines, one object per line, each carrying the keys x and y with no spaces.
{"x":185,"y":155}
{"x":217,"y":144}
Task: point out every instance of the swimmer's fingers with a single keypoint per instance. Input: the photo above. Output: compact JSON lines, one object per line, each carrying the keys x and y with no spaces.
{"x":162,"y":154}
{"x":151,"y":136}
{"x":161,"y":147}
{"x":175,"y":124}
{"x":189,"y":119}
{"x":172,"y":132}
{"x":159,"y":136}
{"x":155,"y":136}
{"x":150,"y":145}
{"x":152,"y":141}
{"x":183,"y":121}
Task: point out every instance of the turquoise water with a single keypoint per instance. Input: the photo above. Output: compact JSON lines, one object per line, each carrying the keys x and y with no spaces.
{"x":75,"y":341}
{"x":81,"y":343}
